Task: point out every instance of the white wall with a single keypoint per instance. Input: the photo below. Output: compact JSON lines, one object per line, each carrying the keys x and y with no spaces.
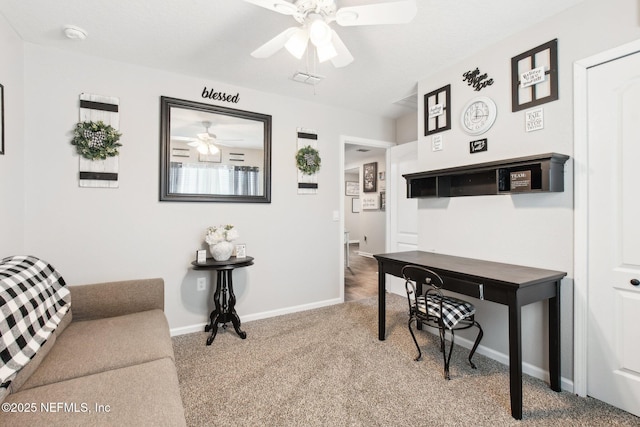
{"x":93,"y":235}
{"x":11,"y":163}
{"x":529,"y":229}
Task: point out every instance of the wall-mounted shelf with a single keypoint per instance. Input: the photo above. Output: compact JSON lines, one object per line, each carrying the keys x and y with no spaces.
{"x":532,"y":174}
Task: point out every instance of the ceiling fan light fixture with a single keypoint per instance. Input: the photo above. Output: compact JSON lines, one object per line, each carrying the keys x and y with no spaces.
{"x":326,"y":52}
{"x":213,"y":149}
{"x":319,"y":32}
{"x":297,"y":43}
{"x":203,"y":149}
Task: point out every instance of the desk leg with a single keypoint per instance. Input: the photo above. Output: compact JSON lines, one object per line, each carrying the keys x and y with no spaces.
{"x":381,"y":302}
{"x":515,"y":356}
{"x":554,"y":340}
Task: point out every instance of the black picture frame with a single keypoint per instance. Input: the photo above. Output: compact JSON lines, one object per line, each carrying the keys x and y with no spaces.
{"x":370,"y":177}
{"x":1,"y":119}
{"x":442,"y":121}
{"x":544,"y":55}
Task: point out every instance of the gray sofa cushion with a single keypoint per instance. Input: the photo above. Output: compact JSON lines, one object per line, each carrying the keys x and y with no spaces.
{"x":140,"y":395}
{"x":95,"y":346}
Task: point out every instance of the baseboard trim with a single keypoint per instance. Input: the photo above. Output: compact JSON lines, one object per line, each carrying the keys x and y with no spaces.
{"x":198,"y":327}
{"x":527,"y":368}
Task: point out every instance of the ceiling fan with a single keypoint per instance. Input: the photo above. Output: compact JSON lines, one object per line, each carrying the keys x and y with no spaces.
{"x":315,"y":17}
{"x":207,"y":142}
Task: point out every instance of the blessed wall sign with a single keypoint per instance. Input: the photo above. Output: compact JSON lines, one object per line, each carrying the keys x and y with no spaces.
{"x":220,"y":96}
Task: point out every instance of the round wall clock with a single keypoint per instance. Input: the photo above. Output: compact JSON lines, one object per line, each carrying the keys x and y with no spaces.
{"x":478,"y":115}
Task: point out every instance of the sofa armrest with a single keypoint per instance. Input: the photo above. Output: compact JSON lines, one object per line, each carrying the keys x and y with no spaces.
{"x":112,"y":299}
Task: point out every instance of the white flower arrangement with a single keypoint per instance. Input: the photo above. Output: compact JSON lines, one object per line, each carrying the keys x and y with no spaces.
{"x":221,"y":233}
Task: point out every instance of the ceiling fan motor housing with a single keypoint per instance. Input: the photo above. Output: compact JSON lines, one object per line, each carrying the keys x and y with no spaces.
{"x":325,"y":8}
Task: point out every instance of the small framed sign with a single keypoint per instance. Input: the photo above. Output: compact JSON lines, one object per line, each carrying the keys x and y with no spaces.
{"x":241,"y":250}
{"x":201,"y":256}
{"x":437,"y":111}
{"x":520,"y":181}
{"x":478,"y":145}
{"x":436,"y":143}
{"x":534,"y":119}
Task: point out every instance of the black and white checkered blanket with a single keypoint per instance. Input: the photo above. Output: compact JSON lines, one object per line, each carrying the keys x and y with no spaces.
{"x":33,"y":300}
{"x":453,"y":309}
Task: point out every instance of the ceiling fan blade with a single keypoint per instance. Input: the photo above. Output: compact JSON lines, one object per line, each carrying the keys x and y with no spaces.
{"x":399,"y":12}
{"x":344,"y":57}
{"x":275,"y":44}
{"x":280,"y":6}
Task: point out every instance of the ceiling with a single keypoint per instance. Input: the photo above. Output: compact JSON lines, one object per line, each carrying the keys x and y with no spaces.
{"x":213,"y":39}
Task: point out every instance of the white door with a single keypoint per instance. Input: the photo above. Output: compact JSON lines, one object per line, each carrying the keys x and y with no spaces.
{"x":403,"y":212}
{"x":613,"y":355}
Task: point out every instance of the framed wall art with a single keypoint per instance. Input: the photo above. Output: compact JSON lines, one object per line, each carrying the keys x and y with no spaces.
{"x":437,"y":111}
{"x":370,"y":174}
{"x":534,"y":76}
{"x":351,"y":188}
{"x":1,"y":119}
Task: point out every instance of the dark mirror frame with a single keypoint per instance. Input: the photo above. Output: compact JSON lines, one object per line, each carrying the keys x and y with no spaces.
{"x":166,"y":105}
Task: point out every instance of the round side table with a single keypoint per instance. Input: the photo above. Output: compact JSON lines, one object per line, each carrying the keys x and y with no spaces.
{"x":224,"y":310}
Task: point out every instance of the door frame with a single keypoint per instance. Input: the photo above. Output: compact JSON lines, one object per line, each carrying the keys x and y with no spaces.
{"x":581,"y":210}
{"x":344,"y":140}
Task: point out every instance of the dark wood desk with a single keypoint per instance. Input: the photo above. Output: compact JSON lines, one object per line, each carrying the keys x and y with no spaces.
{"x":511,"y":285}
{"x":224,"y":310}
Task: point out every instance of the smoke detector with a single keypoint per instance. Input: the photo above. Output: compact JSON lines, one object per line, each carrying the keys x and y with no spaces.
{"x":74,"y":33}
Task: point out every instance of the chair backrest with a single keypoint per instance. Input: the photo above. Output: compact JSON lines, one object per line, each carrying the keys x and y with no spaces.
{"x":422,"y":275}
{"x":419,"y":277}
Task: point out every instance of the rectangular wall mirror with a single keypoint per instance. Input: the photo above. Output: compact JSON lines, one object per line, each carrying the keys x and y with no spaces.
{"x":210,"y":153}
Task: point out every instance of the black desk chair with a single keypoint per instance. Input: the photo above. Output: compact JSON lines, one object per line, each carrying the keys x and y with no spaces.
{"x":434,"y":309}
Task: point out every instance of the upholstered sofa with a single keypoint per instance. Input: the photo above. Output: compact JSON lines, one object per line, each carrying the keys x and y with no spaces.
{"x":109,"y":361}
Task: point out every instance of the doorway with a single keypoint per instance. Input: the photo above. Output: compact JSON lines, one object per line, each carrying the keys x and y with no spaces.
{"x":364,"y":217}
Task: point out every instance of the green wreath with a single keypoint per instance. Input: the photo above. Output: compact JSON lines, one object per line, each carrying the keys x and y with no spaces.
{"x":308,"y":160}
{"x":96,"y":140}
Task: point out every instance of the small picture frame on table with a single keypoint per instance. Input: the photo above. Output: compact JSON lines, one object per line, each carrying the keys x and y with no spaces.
{"x":241,"y":250}
{"x":201,"y":256}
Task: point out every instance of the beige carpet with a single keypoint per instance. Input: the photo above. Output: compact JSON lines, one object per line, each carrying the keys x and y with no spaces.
{"x":326,"y":367}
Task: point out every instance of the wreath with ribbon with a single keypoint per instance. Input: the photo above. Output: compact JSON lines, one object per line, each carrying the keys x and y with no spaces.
{"x":96,"y":140}
{"x":308,"y":160}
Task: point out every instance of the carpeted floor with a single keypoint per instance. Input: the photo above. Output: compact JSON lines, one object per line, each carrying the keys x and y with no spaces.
{"x":326,"y":367}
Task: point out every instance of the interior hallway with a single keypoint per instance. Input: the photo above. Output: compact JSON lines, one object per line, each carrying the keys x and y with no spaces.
{"x":361,"y":278}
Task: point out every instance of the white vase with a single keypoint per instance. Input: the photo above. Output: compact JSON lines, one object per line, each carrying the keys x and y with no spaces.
{"x":221,"y":251}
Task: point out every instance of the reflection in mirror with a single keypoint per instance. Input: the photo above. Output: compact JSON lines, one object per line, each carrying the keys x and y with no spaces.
{"x":213,"y":153}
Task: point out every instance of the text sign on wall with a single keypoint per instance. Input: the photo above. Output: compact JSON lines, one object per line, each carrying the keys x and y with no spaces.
{"x":220,"y":96}
{"x":521,"y":181}
{"x":534,"y":119}
{"x":532,"y":77}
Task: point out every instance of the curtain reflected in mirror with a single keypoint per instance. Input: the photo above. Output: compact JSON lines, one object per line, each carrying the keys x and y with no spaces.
{"x":213,"y":153}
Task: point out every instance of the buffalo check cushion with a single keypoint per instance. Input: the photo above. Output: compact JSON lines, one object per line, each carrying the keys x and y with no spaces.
{"x":453,"y":309}
{"x":33,"y":300}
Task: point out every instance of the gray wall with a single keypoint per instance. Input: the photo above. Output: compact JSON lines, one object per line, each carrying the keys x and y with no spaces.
{"x":12,"y":162}
{"x":93,"y":235}
{"x":531,"y":229}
